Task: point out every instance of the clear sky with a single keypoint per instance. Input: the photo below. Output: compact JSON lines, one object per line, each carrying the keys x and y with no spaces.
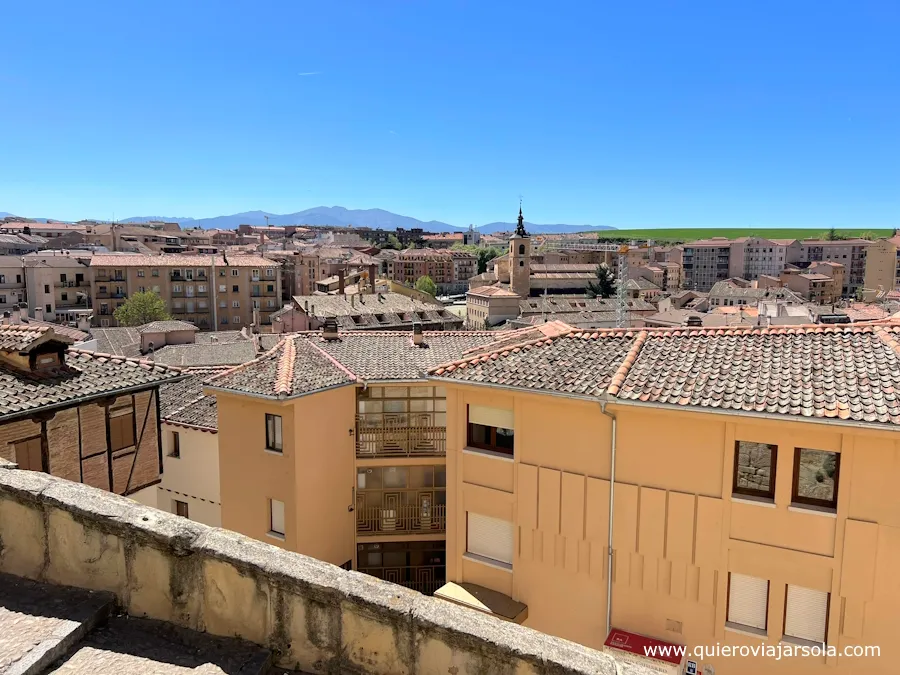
{"x":627,"y":113}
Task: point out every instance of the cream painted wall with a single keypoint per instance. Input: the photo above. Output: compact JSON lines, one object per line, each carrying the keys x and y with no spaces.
{"x":194,"y":476}
{"x":677,"y":531}
{"x":314,"y":477}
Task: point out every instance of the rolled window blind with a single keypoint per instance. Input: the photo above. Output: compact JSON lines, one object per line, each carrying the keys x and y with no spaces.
{"x":490,"y":537}
{"x":491,"y":417}
{"x":806,"y":613}
{"x":748,"y":601}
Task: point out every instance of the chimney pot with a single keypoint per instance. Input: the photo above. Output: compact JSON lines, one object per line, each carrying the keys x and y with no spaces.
{"x":418,"y":337}
{"x":330,"y":329}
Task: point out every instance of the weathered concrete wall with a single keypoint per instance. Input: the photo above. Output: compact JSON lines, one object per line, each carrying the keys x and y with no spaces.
{"x":314,"y":616}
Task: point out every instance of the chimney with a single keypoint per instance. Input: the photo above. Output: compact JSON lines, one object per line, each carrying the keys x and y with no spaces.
{"x":39,"y":313}
{"x":306,"y":306}
{"x":5,"y":321}
{"x":353,"y":300}
{"x":330,"y":329}
{"x":372,"y":278}
{"x":418,"y":337}
{"x":340,"y":282}
{"x":15,"y":317}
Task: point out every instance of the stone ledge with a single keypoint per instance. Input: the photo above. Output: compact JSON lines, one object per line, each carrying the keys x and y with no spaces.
{"x":313,"y":616}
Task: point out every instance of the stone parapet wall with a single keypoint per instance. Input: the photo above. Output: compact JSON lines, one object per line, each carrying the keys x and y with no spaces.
{"x":314,"y":616}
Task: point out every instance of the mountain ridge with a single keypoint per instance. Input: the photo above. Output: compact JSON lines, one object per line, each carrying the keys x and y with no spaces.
{"x":379,"y":219}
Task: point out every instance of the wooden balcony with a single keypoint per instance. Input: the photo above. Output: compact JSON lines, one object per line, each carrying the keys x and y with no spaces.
{"x":394,"y":436}
{"x":409,"y":519}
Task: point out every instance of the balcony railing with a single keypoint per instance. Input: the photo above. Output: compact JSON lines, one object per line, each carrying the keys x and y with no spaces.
{"x":394,"y":437}
{"x":409,"y":519}
{"x":425,"y":579}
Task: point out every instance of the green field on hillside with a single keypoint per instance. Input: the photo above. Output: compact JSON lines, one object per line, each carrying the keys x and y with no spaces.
{"x":692,"y":234}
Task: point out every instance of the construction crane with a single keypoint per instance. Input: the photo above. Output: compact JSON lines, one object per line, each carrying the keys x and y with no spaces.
{"x":621,"y":250}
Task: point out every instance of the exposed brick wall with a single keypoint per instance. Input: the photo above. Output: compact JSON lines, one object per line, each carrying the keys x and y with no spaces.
{"x":96,"y":472}
{"x":93,"y":429}
{"x":62,"y":444}
{"x":146,"y":468}
{"x":15,"y":431}
{"x":121,"y":470}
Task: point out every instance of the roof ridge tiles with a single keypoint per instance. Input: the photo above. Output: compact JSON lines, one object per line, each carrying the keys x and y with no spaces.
{"x":142,"y":361}
{"x":622,"y":372}
{"x":284,"y":372}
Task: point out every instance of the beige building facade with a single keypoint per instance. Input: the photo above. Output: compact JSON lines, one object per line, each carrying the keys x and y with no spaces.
{"x":212,"y":292}
{"x":739,"y":527}
{"x":883,"y":264}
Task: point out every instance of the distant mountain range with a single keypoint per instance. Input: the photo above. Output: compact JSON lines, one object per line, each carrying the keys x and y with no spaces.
{"x":338,"y":215}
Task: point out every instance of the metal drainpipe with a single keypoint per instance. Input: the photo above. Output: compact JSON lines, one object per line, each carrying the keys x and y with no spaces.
{"x":612,"y":492}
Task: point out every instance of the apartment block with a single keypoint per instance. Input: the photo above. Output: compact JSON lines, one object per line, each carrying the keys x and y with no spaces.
{"x":12,"y":282}
{"x":450,"y":270}
{"x":213,"y":292}
{"x":762,"y":517}
{"x":883,"y":264}
{"x":708,"y":261}
{"x":851,"y":253}
{"x":58,"y":285}
{"x":768,"y":256}
{"x":357,"y":407}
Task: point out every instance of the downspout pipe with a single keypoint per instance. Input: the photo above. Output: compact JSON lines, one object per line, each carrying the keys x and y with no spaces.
{"x":612,"y":493}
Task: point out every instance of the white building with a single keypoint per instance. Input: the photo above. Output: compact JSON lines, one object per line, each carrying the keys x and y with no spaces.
{"x":769,"y":256}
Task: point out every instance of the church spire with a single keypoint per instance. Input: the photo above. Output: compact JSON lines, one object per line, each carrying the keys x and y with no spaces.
{"x":520,"y":228}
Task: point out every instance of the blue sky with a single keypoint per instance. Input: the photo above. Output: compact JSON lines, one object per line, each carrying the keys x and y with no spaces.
{"x":632,"y":114}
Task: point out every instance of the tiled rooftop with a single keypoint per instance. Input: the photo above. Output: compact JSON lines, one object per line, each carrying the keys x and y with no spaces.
{"x":844,"y":372}
{"x":166,"y":326}
{"x":178,"y":260}
{"x":292,"y":368}
{"x":184,"y":402}
{"x":86,"y":375}
{"x":16,"y":338}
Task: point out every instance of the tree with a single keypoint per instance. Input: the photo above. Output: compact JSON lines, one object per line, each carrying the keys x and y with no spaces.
{"x":141,"y":308}
{"x":394,"y":243}
{"x":605,"y":286}
{"x":426,"y":285}
{"x":483,"y":253}
{"x":832,"y":235}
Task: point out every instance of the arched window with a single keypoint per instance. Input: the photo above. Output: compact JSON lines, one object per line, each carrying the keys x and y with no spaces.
{"x":521,"y":249}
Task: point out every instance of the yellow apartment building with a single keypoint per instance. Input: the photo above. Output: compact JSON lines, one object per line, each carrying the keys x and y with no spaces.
{"x":214,"y":292}
{"x":883,"y":264}
{"x":333,"y":445}
{"x":731,"y":486}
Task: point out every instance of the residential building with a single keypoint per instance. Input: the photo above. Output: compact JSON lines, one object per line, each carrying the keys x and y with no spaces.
{"x":449,"y":270}
{"x":443,"y":240}
{"x":355,"y":406}
{"x":86,"y":417}
{"x":58,"y":285}
{"x":817,"y":282}
{"x":762,"y":516}
{"x":642,"y":288}
{"x":12,"y":282}
{"x":213,"y":292}
{"x":738,"y":292}
{"x":768,"y":256}
{"x":665,"y":275}
{"x":488,"y":306}
{"x":20,"y":244}
{"x":851,"y":253}
{"x":883,"y":264}
{"x":190,"y":449}
{"x":136,"y":590}
{"x":366,"y":311}
{"x":711,"y":260}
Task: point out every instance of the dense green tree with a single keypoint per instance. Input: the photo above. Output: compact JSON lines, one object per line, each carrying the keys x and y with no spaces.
{"x":394,"y":243}
{"x":141,"y":308}
{"x":484,"y":254}
{"x":426,"y":285}
{"x":605,"y":286}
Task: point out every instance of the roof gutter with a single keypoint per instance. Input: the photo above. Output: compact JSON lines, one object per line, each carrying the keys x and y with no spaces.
{"x":827,"y":421}
{"x":612,"y":493}
{"x":278,"y":397}
{"x":518,"y":390}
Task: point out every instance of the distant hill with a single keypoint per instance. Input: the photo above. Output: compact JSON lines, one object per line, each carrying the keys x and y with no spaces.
{"x":338,"y":215}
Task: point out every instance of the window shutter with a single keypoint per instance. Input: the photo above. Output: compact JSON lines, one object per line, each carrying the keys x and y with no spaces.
{"x":748,"y":601}
{"x":806,"y":613}
{"x":490,"y":537}
{"x":491,"y":417}
{"x":277,"y":509}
